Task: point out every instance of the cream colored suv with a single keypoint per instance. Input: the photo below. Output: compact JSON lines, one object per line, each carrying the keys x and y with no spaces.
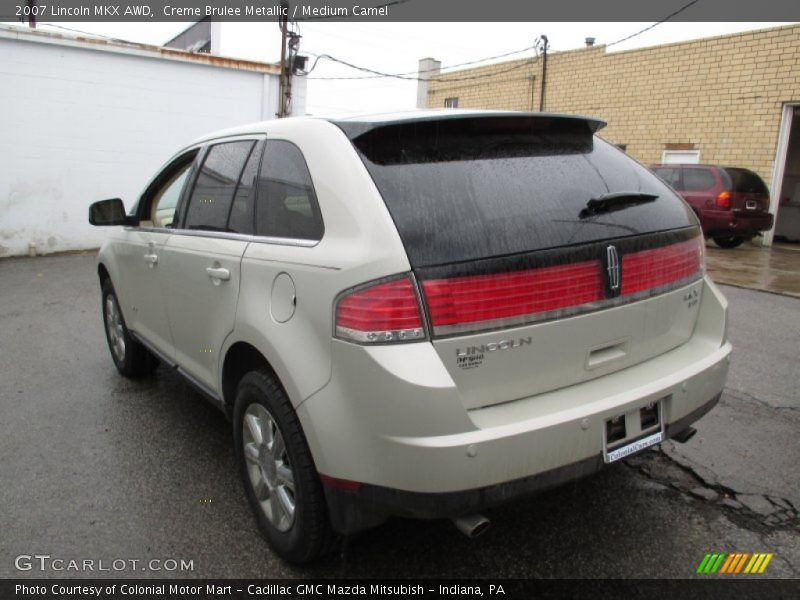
{"x":421,"y":314}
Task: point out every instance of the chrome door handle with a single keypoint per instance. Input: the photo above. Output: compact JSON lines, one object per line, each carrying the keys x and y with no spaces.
{"x":151,"y":259}
{"x":218,"y":273}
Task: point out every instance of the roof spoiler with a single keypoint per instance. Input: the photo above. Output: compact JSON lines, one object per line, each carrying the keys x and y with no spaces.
{"x":489,"y":120}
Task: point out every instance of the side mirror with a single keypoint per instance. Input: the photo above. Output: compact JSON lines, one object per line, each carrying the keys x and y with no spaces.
{"x":109,"y":212}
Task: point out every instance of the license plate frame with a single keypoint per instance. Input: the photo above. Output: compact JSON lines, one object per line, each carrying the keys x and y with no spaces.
{"x":644,"y":439}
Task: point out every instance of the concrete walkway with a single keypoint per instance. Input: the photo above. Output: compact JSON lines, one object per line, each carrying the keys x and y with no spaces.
{"x":775,"y":269}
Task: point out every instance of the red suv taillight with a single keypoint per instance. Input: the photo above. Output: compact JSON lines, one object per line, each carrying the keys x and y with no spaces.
{"x":381,"y":312}
{"x":724,"y":200}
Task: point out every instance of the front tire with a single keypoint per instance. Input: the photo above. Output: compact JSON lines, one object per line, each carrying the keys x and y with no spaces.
{"x":130,"y":357}
{"x":731,"y":241}
{"x":277,"y":470}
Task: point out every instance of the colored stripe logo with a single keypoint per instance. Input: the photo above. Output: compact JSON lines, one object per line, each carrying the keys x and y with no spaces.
{"x":734,"y":563}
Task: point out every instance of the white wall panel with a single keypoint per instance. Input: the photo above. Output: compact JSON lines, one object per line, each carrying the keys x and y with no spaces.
{"x":79,"y":124}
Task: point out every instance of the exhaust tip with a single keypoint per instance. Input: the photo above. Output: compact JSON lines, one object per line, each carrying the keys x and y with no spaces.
{"x":472,"y":525}
{"x":685,"y":435}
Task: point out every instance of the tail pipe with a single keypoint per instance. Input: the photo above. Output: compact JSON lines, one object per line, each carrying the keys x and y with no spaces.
{"x":471,"y":525}
{"x":685,"y":435}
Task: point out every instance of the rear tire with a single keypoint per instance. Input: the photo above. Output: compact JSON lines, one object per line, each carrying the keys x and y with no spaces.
{"x":731,"y":241}
{"x":278,"y":472}
{"x":130,"y":357}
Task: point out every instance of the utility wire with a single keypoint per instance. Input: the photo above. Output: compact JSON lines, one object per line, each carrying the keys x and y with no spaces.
{"x":665,"y":19}
{"x":464,"y":64}
{"x":379,"y":74}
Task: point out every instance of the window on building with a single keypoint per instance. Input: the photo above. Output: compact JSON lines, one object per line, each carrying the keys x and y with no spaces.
{"x":216,"y":183}
{"x":451,"y":102}
{"x":677,"y":157}
{"x":287,"y":204}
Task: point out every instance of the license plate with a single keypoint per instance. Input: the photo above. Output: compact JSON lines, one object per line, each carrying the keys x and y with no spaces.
{"x":634,"y":447}
{"x":634,"y":431}
{"x":751,"y":205}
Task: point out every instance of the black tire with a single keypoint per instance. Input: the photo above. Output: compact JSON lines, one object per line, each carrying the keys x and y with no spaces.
{"x":309,"y":534}
{"x":133,"y":360}
{"x":731,"y":241}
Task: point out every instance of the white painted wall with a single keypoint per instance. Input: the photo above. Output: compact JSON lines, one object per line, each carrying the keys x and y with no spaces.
{"x":79,"y":124}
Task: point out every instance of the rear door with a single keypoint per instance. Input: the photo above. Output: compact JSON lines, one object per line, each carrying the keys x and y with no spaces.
{"x":202,"y":260}
{"x":544,"y":255}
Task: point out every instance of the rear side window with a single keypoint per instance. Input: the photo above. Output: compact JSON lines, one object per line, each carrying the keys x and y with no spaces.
{"x":670,"y":175}
{"x":242,"y":214}
{"x":745,"y":181}
{"x":470,"y":188}
{"x":696,"y":180}
{"x":216,"y":184}
{"x":287,"y":205}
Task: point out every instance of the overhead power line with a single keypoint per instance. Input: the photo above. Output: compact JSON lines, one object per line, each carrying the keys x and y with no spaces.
{"x":411,"y":73}
{"x":379,"y":74}
{"x":648,"y":28}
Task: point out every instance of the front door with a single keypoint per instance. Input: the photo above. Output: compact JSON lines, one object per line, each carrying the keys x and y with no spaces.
{"x":141,"y":257}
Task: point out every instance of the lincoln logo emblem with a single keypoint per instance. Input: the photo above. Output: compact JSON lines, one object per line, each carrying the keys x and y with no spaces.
{"x":612,"y":266}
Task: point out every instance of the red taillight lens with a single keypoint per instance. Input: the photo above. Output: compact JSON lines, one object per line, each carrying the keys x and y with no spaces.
{"x":724,"y":200}
{"x":481,"y":298}
{"x":384,"y":312}
{"x":661,"y":266}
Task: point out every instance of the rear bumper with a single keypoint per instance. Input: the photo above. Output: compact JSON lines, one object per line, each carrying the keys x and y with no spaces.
{"x":353,"y":511}
{"x":391,"y":419}
{"x":728,"y":222}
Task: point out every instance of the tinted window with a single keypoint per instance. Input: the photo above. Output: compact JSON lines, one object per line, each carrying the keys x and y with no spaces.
{"x":745,"y":181}
{"x":287,"y":205}
{"x":463,"y":189}
{"x":670,"y":175}
{"x":166,"y":199}
{"x":695,"y":180}
{"x":241,"y":219}
{"x":215,"y":186}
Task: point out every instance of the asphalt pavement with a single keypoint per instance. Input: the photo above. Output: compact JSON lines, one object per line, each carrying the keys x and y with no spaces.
{"x":96,"y":467}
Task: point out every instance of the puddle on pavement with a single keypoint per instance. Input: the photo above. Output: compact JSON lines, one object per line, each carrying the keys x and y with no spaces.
{"x":775,"y":269}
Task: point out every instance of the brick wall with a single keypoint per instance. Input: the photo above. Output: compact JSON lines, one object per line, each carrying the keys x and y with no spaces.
{"x":722,"y":96}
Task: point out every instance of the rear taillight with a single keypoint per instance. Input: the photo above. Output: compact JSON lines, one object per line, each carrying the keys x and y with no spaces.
{"x":381,"y":313}
{"x":724,"y":201}
{"x":508,"y":298}
{"x":649,"y":269}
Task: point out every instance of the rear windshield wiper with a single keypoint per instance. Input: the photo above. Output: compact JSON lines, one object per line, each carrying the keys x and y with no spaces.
{"x":615,"y":201}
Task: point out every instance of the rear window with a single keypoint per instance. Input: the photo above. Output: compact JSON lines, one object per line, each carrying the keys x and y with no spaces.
{"x":471,"y":188}
{"x":745,"y":181}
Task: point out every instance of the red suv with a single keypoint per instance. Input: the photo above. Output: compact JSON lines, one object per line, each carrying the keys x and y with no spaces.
{"x":731,"y":203}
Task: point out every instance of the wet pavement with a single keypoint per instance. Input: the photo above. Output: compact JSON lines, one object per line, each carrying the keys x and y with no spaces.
{"x":775,"y":269}
{"x":95,"y":466}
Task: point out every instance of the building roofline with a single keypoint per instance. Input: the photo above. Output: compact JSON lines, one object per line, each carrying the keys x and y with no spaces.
{"x":10,"y":32}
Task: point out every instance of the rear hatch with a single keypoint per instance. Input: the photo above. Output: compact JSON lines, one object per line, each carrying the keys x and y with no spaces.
{"x":749,"y":194}
{"x":544,"y":255}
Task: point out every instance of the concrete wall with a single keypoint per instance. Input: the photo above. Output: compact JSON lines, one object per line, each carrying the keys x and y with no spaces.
{"x":722,"y":96}
{"x":81,"y":124}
